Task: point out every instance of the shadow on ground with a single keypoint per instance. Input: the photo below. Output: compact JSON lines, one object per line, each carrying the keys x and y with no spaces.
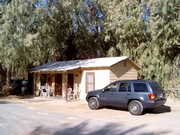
{"x":17,"y":97}
{"x":8,"y":99}
{"x":158,"y":110}
{"x":4,"y":102}
{"x":84,"y":129}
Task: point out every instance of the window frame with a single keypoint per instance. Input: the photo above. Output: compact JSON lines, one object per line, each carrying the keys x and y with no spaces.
{"x":126,"y":89}
{"x":106,"y":89}
{"x":139,"y":86}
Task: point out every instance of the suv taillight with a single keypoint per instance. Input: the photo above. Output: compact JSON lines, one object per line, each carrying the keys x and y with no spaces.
{"x":151,"y":96}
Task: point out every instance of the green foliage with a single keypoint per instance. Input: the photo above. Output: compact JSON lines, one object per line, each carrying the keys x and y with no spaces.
{"x":12,"y":34}
{"x":87,"y":38}
{"x":48,"y":36}
{"x":153,"y":44}
{"x":62,"y":30}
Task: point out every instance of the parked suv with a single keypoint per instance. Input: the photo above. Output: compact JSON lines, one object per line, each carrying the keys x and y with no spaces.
{"x":16,"y":86}
{"x":135,"y":95}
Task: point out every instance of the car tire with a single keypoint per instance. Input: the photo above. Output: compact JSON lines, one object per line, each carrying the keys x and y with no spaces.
{"x":135,"y":107}
{"x":93,"y":103}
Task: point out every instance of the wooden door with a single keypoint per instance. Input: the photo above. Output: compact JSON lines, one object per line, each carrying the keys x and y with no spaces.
{"x":58,"y":84}
{"x":43,"y":79}
{"x":71,"y":80}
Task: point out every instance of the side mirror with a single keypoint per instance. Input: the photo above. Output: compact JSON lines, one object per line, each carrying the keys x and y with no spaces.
{"x":103,"y":90}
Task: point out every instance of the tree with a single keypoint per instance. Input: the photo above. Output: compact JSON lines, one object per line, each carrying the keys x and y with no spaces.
{"x":88,"y":33}
{"x":52,"y":25}
{"x":2,"y":72}
{"x":146,"y":31}
{"x":13,"y":50}
{"x":164,"y":26}
{"x":70,"y":28}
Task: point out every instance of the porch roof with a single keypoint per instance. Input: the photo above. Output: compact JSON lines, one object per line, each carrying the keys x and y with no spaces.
{"x":75,"y":64}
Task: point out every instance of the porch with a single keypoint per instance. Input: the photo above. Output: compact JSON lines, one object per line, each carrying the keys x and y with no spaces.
{"x":64,"y":85}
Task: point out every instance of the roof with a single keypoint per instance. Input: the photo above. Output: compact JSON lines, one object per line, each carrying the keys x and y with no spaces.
{"x":75,"y":64}
{"x":136,"y":80}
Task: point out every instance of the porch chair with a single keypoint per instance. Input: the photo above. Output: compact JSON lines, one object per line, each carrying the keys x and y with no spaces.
{"x":75,"y":93}
{"x":63,"y":95}
{"x":69,"y":93}
{"x":42,"y":92}
{"x":48,"y":90}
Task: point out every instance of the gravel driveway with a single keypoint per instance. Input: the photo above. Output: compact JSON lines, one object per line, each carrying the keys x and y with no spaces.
{"x":163,"y":120}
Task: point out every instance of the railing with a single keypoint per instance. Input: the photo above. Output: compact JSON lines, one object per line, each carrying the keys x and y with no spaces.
{"x":173,"y":93}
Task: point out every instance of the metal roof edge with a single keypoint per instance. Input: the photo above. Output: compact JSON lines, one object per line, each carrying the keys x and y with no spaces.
{"x":137,"y":67}
{"x":83,"y":64}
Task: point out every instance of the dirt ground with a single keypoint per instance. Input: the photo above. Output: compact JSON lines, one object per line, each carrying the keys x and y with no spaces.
{"x":161,"y":120}
{"x":80,"y":108}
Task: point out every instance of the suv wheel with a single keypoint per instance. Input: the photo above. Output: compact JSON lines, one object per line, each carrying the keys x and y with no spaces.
{"x":93,"y":103}
{"x":135,"y":107}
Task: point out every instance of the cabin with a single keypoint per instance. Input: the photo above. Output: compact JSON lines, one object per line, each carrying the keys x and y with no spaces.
{"x":83,"y":75}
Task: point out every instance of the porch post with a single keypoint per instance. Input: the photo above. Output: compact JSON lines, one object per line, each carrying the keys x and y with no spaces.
{"x":66,"y":83}
{"x":34,"y":84}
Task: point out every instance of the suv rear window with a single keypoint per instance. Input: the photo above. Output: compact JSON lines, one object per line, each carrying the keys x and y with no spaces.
{"x":155,"y":86}
{"x":140,"y":87}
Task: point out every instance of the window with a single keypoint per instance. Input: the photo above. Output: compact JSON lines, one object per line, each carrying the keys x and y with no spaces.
{"x":156,"y":86}
{"x":124,"y":87}
{"x":140,"y":87}
{"x":90,"y":81}
{"x":112,"y":87}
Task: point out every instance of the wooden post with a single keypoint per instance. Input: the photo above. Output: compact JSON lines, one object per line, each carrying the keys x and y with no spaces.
{"x":66,"y":83}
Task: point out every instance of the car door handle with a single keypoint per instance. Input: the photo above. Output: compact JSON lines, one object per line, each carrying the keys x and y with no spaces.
{"x":128,"y":94}
{"x":112,"y":94}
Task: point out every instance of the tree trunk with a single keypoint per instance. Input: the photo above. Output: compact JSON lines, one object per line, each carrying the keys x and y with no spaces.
{"x":2,"y":76}
{"x":8,"y":76}
{"x":6,"y":91}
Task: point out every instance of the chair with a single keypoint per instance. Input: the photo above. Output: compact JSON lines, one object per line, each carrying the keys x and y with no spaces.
{"x":75,"y":94}
{"x":48,"y":90}
{"x":63,"y":95}
{"x":42,"y":92}
{"x":69,"y":93}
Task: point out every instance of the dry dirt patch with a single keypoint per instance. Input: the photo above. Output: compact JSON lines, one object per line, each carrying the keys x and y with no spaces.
{"x":81,"y":109}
